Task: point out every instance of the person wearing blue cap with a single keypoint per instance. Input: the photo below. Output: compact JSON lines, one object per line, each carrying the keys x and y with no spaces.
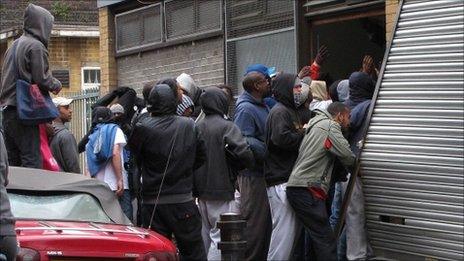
{"x":269,"y":73}
{"x":250,"y":116}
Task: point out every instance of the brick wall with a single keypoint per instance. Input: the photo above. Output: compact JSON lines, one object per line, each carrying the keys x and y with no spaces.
{"x":391,"y":8}
{"x":204,"y":60}
{"x":107,"y":51}
{"x":72,"y":54}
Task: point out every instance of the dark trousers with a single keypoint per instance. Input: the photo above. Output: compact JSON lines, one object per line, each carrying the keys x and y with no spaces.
{"x":181,"y":219}
{"x":22,"y":141}
{"x":312,"y":212}
{"x":254,"y":208}
{"x":9,"y":247}
{"x":126,"y":204}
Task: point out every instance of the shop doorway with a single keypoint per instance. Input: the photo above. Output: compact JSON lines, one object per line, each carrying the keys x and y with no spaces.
{"x":348,"y":39}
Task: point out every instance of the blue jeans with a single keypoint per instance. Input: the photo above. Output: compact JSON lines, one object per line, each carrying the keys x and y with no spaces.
{"x":126,"y":204}
{"x":335,"y":217}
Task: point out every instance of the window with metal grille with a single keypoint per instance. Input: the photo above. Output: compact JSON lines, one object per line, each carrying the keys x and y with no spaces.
{"x":191,"y":17}
{"x":139,"y":28}
{"x":248,"y":17}
{"x":90,"y":77}
{"x":275,"y":49}
{"x":62,"y":76}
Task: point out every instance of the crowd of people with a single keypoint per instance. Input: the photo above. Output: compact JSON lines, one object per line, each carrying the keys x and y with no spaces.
{"x":176,"y":159}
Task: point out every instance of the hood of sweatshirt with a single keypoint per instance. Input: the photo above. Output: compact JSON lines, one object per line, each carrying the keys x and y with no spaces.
{"x":187,"y":84}
{"x":282,"y":87}
{"x":319,"y":90}
{"x":320,"y":115}
{"x":214,"y":101}
{"x":162,"y":101}
{"x":361,"y":87}
{"x":246,"y":97}
{"x":38,"y":22}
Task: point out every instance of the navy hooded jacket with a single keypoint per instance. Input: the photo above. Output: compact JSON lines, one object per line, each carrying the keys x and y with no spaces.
{"x":362,"y":89}
{"x":250,"y":117}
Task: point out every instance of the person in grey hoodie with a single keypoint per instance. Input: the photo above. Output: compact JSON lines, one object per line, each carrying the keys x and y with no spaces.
{"x":8,"y":243}
{"x":22,"y":141}
{"x":63,"y":144}
{"x":214,"y":182}
{"x":309,"y":182}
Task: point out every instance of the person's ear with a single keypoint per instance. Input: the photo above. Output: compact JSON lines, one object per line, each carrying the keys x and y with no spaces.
{"x":337,"y":117}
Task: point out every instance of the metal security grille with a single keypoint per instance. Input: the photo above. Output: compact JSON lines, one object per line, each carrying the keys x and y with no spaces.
{"x":412,"y":161}
{"x":320,"y":7}
{"x":258,"y":31}
{"x":276,"y":49}
{"x":189,"y":17}
{"x":248,"y":17}
{"x":139,"y":27}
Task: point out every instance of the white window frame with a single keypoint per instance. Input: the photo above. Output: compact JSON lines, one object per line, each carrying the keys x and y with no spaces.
{"x":86,"y":86}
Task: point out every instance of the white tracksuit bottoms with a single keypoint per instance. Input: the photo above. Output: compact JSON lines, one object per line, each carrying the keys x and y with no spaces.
{"x":285,"y":225}
{"x":210,"y":211}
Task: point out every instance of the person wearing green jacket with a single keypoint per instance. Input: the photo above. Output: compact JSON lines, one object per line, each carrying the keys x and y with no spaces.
{"x":309,"y":181}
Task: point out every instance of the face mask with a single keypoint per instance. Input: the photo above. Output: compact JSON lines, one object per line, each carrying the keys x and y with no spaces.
{"x":298,"y":99}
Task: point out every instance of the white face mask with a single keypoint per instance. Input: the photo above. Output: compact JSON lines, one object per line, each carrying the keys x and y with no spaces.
{"x":300,"y":98}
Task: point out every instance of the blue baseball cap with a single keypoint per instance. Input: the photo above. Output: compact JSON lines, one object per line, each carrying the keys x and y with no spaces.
{"x":272,"y":71}
{"x":258,"y":68}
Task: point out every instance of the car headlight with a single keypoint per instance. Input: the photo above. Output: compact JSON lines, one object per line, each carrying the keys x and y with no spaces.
{"x":160,"y":256}
{"x":27,"y":254}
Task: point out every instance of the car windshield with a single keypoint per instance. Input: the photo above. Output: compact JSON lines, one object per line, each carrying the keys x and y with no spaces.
{"x":69,"y":207}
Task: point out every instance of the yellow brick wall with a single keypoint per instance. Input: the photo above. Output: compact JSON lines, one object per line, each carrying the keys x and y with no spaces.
{"x":73,"y":54}
{"x":391,"y":8}
{"x":107,"y":51}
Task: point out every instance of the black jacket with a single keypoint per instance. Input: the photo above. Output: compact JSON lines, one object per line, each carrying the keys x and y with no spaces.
{"x":215,"y":179}
{"x":283,"y":132}
{"x":152,"y":140}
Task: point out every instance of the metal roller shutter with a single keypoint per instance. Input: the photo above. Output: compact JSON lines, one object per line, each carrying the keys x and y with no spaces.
{"x":412,"y":160}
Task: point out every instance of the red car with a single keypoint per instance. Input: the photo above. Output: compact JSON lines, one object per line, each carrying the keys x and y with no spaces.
{"x":63,"y":216}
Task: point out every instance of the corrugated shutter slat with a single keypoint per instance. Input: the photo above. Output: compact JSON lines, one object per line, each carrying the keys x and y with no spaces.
{"x":412,"y":161}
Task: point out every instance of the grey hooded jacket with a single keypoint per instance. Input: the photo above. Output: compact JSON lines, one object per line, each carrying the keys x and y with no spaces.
{"x":31,"y":56}
{"x":7,"y":220}
{"x":64,"y":149}
{"x":322,"y":143}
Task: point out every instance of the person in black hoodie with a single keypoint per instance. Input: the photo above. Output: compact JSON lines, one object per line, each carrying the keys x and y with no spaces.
{"x":214,"y":182}
{"x":169,"y":148}
{"x":284,"y":134}
{"x":361,"y":89}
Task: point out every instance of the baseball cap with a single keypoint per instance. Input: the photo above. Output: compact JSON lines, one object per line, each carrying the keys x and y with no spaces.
{"x":61,"y":101}
{"x":258,"y":68}
{"x":272,"y":71}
